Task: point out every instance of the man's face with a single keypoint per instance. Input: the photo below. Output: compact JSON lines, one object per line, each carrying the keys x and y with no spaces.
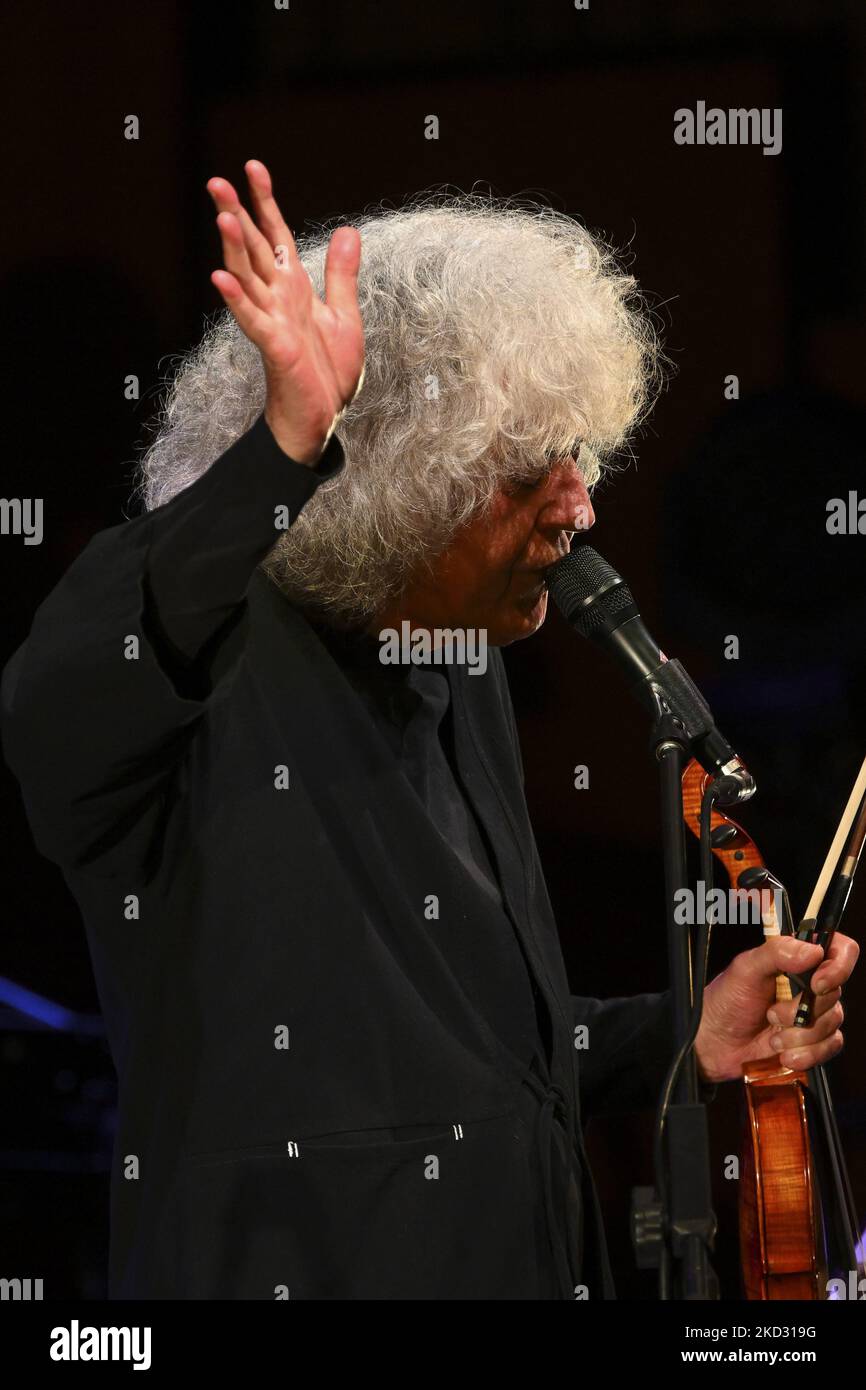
{"x":491,"y":577}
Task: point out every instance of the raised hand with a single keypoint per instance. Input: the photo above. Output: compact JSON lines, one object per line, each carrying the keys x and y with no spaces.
{"x":312,"y":349}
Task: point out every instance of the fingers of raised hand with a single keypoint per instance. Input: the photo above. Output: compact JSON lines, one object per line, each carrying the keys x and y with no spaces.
{"x":266,"y":253}
{"x":237,"y":258}
{"x":268,"y":214}
{"x":254,"y":322}
{"x":245,"y":251}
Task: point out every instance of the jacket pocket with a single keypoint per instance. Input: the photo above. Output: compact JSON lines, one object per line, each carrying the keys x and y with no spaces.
{"x":445,"y":1213}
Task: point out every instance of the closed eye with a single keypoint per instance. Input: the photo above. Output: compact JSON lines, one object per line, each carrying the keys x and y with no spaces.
{"x":522,"y":486}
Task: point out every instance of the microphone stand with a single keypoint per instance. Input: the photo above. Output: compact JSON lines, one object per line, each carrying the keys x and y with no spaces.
{"x":674,"y":1225}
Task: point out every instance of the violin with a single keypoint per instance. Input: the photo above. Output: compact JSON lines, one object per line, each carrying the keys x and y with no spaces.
{"x":795,"y":1195}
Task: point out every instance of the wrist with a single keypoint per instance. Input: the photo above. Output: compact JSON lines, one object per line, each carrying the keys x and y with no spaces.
{"x":303,"y":451}
{"x":703,"y":1063}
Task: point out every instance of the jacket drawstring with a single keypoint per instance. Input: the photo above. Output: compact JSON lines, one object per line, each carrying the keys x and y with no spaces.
{"x":554,"y":1106}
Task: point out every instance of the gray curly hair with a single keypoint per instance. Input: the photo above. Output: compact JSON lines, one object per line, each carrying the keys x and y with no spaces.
{"x":499,"y":336}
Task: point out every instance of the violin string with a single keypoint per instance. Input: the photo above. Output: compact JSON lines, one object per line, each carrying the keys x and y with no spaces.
{"x":846,"y":1209}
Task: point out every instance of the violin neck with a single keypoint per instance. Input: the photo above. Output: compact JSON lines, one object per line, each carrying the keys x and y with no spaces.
{"x":772,"y":927}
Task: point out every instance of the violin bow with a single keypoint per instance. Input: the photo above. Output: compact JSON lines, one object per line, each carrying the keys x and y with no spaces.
{"x":851,"y":828}
{"x":818,"y":926}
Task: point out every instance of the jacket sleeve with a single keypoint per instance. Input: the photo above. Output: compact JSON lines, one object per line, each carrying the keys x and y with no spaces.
{"x":126,"y":653}
{"x":626,"y":1052}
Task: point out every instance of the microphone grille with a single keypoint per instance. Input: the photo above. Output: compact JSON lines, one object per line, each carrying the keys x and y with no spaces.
{"x":588,"y":591}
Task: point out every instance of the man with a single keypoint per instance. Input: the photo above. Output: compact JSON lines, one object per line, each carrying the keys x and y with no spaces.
{"x":324,"y":948}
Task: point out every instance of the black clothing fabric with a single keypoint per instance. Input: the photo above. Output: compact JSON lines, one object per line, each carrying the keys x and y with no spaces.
{"x":410,"y":705}
{"x":324,"y":948}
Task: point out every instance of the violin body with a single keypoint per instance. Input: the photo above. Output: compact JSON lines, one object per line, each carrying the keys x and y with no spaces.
{"x":781,"y":1226}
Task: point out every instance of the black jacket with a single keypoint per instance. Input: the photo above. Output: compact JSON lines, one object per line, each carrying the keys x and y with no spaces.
{"x":314,"y":1099}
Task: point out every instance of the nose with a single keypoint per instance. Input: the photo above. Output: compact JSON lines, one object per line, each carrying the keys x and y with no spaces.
{"x":567,"y":505}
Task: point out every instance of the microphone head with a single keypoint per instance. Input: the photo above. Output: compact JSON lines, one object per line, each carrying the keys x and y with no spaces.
{"x":589,"y":593}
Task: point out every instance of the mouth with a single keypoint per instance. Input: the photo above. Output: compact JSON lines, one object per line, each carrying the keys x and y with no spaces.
{"x":546,"y":567}
{"x":533,"y":586}
{"x":539,"y":575}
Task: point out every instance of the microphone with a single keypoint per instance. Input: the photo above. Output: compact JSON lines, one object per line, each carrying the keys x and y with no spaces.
{"x":596,"y":601}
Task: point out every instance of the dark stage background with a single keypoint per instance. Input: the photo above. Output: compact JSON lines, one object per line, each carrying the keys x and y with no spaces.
{"x":755,"y":264}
